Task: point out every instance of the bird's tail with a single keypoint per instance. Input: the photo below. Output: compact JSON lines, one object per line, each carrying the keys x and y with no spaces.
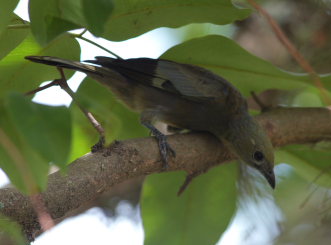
{"x":63,"y":63}
{"x":123,"y":88}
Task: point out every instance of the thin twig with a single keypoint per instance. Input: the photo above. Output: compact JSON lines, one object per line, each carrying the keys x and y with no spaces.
{"x":64,"y":85}
{"x":187,"y":181}
{"x":293,"y":51}
{"x":83,"y":32}
{"x":258,"y":101}
{"x":62,"y":82}
{"x":51,"y":84}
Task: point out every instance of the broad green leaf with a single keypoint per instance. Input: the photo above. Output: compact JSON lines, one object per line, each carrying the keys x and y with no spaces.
{"x":10,"y":39}
{"x":50,"y":19}
{"x":96,"y":22}
{"x":199,"y":216}
{"x":6,"y":9}
{"x":12,"y":229}
{"x":11,"y":159}
{"x":31,"y":137}
{"x":312,"y":164}
{"x":18,"y":74}
{"x":26,"y":169}
{"x":118,"y":121}
{"x":133,"y":18}
{"x":46,"y":128}
{"x":227,"y":59}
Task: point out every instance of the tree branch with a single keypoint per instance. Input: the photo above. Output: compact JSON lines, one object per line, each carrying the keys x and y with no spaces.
{"x":95,"y":173}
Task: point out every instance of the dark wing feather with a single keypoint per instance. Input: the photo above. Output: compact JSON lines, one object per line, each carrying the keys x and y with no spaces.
{"x":192,"y":82}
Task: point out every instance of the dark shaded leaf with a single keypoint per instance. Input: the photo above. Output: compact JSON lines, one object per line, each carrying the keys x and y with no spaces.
{"x":96,"y":14}
{"x":6,"y":9}
{"x":48,"y":20}
{"x":10,"y":39}
{"x":46,"y":128}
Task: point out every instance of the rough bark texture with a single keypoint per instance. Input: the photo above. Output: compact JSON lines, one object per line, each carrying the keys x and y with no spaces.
{"x":95,"y":173}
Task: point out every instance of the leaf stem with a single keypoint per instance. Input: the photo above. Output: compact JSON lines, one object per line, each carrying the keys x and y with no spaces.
{"x":94,"y":43}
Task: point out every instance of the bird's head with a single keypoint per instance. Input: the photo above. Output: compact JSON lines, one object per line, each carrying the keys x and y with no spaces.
{"x":249,"y":141}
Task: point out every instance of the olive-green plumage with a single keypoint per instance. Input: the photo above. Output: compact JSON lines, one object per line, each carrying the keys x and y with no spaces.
{"x":182,"y":96}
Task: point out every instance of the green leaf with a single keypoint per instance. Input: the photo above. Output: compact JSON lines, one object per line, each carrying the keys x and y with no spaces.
{"x":18,"y":74}
{"x":244,"y":70}
{"x":96,"y":22}
{"x":24,"y":167}
{"x":12,"y":229}
{"x":133,"y":18}
{"x":311,"y":164}
{"x":31,"y":137}
{"x":54,"y":18}
{"x":118,"y":121}
{"x":6,"y":9}
{"x":46,"y":128}
{"x":11,"y":160}
{"x":199,"y":216}
{"x":11,"y":38}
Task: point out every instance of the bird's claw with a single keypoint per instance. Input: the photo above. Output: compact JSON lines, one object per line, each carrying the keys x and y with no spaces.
{"x":99,"y":145}
{"x":165,"y":150}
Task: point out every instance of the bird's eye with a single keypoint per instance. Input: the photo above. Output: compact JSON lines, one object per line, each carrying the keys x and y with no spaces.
{"x":258,"y":156}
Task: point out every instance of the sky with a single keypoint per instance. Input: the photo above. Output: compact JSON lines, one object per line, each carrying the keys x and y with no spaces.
{"x":92,"y":227}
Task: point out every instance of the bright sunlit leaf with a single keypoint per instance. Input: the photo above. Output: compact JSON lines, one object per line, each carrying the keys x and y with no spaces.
{"x":133,"y":18}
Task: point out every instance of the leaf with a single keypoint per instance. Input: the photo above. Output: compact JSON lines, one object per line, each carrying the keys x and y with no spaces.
{"x":24,"y":167}
{"x":54,"y":18}
{"x":10,"y":157}
{"x":96,"y":22}
{"x":18,"y":74}
{"x":199,"y":216}
{"x":132,"y":18}
{"x":6,"y":9}
{"x":46,"y":128}
{"x":11,"y":38}
{"x":311,"y":164}
{"x":244,"y":70}
{"x":12,"y":229}
{"x":31,"y":137}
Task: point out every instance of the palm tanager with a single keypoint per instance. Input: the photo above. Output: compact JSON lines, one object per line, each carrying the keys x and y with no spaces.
{"x":182,"y":96}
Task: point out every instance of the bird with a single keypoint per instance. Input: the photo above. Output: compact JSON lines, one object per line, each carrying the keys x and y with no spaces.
{"x":183,"y":96}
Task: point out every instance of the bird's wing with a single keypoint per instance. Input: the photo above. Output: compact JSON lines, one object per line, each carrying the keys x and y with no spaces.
{"x":190,"y":81}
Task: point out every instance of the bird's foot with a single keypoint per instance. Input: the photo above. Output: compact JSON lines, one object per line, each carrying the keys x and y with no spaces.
{"x":99,"y":145}
{"x":165,"y":148}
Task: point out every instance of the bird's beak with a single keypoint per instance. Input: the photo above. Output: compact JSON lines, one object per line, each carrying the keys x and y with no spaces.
{"x":270,"y":176}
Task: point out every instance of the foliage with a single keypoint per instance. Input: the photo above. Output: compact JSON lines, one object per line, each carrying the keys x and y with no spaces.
{"x":33,"y":136}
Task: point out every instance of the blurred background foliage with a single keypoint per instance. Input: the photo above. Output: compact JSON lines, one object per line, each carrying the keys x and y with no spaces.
{"x":231,"y":40}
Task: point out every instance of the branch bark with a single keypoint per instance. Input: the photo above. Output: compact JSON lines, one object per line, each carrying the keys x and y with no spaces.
{"x":94,"y":173}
